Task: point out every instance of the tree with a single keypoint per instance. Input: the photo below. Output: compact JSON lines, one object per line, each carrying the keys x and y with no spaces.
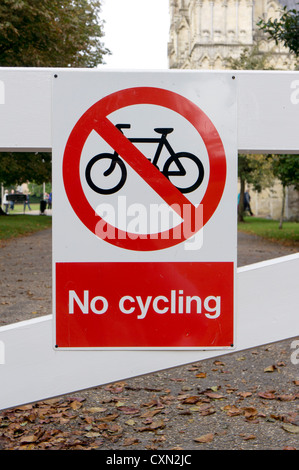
{"x":284,"y":29}
{"x":51,"y":33}
{"x":46,"y":33}
{"x":16,"y":168}
{"x":286,"y":169}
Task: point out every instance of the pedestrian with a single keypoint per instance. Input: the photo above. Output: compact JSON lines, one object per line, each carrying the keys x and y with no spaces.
{"x":5,"y":201}
{"x":26,"y":202}
{"x":247,"y":202}
{"x":12,"y":204}
{"x":50,"y":201}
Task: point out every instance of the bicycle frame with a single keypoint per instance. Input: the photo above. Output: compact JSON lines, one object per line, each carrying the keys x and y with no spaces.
{"x":161,"y":141}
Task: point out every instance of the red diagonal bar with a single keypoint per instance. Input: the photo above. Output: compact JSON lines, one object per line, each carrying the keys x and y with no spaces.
{"x":148,"y":172}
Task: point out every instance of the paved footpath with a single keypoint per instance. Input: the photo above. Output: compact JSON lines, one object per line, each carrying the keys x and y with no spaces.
{"x":243,"y":400}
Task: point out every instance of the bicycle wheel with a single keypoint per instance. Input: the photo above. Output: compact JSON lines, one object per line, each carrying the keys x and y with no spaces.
{"x":191,"y":169}
{"x":106,"y":177}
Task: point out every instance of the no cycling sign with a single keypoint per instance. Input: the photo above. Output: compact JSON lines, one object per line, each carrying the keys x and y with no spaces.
{"x":144,"y":226}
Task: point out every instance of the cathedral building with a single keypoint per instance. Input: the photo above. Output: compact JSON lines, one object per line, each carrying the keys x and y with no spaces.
{"x":205,"y":34}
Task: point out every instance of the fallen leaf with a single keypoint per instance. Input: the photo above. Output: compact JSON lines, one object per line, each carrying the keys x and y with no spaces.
{"x":270,"y":368}
{"x":75,"y":405}
{"x":24,"y":407}
{"x":248,"y":436}
{"x":205,"y":409}
{"x":244,"y":394}
{"x":219,"y":363}
{"x":114,"y":428}
{"x":129,"y":410}
{"x":120,"y":403}
{"x":232,"y":410}
{"x":249,"y":412}
{"x":153,"y":426}
{"x":267,"y":395}
{"x":28,"y":439}
{"x":215,"y":396}
{"x":191,"y":400}
{"x":286,"y":397}
{"x":292,"y":428}
{"x":129,"y":441}
{"x":204,"y":438}
{"x":92,"y":434}
{"x":96,"y":410}
{"x":110,"y":417}
{"x":150,"y":413}
{"x":130,"y":422}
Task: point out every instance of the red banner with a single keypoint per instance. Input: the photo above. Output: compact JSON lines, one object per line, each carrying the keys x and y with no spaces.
{"x":144,"y":305}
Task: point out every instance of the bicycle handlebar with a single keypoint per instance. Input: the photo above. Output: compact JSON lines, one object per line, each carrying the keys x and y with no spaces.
{"x":123,"y":126}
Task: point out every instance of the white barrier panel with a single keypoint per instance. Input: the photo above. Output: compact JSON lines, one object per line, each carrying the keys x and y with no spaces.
{"x":25,"y":109}
{"x":268,"y":109}
{"x":267,"y":302}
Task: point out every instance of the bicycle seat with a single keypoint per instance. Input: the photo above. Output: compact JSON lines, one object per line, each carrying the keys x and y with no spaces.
{"x":164,"y":130}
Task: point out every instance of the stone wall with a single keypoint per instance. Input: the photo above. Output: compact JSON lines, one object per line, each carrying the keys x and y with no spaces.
{"x":268,"y":203}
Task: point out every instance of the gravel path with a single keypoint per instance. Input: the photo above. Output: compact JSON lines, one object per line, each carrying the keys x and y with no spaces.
{"x":244,"y":400}
{"x":26,"y":272}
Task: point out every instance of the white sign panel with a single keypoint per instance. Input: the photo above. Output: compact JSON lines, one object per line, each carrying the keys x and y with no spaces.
{"x":144,"y":187}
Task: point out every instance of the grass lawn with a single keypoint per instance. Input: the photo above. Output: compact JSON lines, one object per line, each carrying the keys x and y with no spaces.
{"x":267,"y":228}
{"x":13,"y":226}
{"x":18,"y":224}
{"x":19,"y":208}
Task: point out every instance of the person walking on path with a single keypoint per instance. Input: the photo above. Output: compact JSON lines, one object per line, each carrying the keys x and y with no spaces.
{"x":247,"y":203}
{"x":5,"y":201}
{"x":26,"y":202}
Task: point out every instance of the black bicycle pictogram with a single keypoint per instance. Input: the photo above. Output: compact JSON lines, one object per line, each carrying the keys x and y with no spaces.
{"x":173,"y":166}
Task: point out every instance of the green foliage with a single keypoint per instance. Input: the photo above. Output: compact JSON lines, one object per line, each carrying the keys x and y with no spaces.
{"x":284,"y":30}
{"x":18,"y":168}
{"x":37,"y":189}
{"x":256,"y":170}
{"x":46,"y":33}
{"x":286,"y":169}
{"x":50,"y":33}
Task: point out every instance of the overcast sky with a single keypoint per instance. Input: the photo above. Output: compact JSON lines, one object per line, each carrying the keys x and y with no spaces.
{"x":136,"y":32}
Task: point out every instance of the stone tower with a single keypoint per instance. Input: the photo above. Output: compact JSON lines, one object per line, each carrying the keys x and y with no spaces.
{"x":205,"y":33}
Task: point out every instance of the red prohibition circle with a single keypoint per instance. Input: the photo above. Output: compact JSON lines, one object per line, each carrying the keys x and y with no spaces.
{"x":96,"y":118}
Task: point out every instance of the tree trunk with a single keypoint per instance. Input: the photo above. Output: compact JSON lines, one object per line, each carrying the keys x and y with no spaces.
{"x":282,"y":207}
{"x":2,"y":211}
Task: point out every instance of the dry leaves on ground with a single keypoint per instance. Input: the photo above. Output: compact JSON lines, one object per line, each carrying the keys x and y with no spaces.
{"x":173,"y":415}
